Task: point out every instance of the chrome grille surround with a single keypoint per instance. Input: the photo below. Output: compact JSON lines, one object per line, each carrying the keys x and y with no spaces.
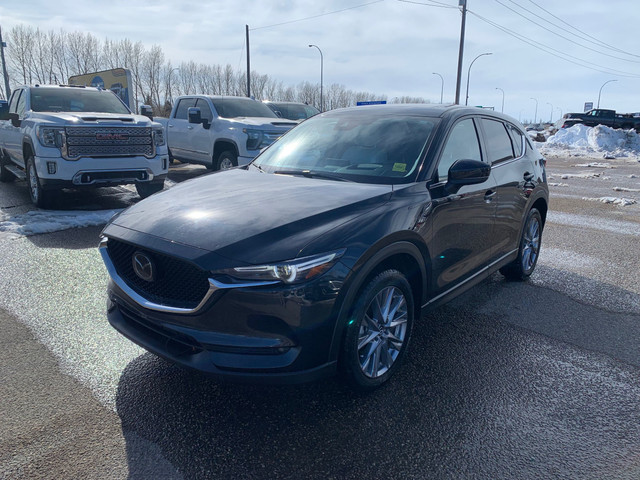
{"x":105,"y":141}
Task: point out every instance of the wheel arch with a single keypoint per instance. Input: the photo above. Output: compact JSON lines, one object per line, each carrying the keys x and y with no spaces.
{"x":222,"y":145}
{"x":409,"y":258}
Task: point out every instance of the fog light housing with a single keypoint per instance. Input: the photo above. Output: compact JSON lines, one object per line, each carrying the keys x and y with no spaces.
{"x":51,"y":168}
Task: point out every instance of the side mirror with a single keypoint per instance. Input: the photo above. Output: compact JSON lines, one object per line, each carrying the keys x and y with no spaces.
{"x":194,"y":114}
{"x":4,"y":110}
{"x":15,"y":119}
{"x":147,"y":111}
{"x":467,"y":172}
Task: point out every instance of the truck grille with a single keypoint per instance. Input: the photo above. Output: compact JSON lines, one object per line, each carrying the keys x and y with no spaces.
{"x":108,"y":142}
{"x":177,"y":283}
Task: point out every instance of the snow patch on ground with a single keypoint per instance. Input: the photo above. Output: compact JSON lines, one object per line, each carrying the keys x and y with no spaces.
{"x":595,"y":223}
{"x":623,"y":202}
{"x":565,"y":176}
{"x":552,"y":184}
{"x":47,"y":221}
{"x":594,"y":165}
{"x":600,"y":141}
{"x":625,"y":189}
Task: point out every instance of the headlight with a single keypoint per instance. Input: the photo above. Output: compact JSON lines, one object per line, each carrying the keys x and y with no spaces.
{"x":51,"y":136}
{"x":158,"y":136}
{"x":254,"y":138}
{"x":292,"y":271}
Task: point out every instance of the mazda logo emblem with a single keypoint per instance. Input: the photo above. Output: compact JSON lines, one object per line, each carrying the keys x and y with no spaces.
{"x":143,"y":266}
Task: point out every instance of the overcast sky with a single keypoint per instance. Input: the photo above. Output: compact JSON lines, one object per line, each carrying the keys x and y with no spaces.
{"x":387,"y":47}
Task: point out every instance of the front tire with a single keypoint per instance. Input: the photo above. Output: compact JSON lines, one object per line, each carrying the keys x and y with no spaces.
{"x":226,"y":160}
{"x":41,"y":198}
{"x":524,"y":265}
{"x":378,"y":331}
{"x":149,"y":188}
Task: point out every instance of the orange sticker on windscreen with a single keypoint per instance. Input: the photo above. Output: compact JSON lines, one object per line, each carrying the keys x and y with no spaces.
{"x":399,"y":167}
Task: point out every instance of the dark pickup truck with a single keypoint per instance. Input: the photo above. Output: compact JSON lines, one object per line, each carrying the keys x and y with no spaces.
{"x":599,"y":116}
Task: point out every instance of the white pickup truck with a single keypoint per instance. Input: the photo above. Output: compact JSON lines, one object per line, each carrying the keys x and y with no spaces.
{"x":221,"y":132}
{"x":61,"y":136}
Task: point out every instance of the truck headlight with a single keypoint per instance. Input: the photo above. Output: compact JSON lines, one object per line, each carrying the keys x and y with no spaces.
{"x":51,"y":136}
{"x":158,"y":136}
{"x":254,"y":138}
{"x":292,"y":271}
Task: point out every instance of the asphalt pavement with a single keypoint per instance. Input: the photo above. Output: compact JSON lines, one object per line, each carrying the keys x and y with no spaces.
{"x":510,"y":380}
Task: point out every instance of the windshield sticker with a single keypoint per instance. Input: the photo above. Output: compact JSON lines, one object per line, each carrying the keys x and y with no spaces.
{"x":399,"y":167}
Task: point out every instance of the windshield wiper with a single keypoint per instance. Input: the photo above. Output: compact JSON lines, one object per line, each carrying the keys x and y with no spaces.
{"x":310,"y":174}
{"x":262,"y":170}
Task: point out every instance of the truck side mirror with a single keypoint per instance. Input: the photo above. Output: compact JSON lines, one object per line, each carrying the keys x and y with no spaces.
{"x":15,"y":119}
{"x":147,"y":111}
{"x":194,"y":114}
{"x":4,"y":110}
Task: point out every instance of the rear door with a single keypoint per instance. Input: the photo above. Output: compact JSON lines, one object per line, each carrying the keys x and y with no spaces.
{"x":511,"y":170}
{"x":463,"y":221}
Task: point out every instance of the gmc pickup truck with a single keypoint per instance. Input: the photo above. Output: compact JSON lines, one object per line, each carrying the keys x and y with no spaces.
{"x":221,"y":132}
{"x":61,"y":136}
{"x":601,"y":117}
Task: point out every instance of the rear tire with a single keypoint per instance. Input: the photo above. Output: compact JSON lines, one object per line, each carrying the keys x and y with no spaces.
{"x":226,"y":160}
{"x":529,"y":250}
{"x":149,"y":188}
{"x":378,"y":331}
{"x":41,"y":198}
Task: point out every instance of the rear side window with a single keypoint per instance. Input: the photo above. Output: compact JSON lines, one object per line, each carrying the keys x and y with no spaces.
{"x":498,"y":141}
{"x":516,"y":138}
{"x":462,"y":144}
{"x":183,"y":105}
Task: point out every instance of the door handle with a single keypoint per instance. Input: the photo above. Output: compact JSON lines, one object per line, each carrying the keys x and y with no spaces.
{"x":528,"y":176}
{"x":170,"y":126}
{"x":488,"y":197}
{"x":189,"y":127}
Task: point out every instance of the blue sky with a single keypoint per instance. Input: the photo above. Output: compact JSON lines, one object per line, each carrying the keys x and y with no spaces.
{"x":388,"y":47}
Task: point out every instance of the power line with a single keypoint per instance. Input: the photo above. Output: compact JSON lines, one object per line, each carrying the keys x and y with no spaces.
{"x":562,"y":36}
{"x":563,"y":56}
{"x":317,"y":16}
{"x":584,"y":33}
{"x":432,"y":3}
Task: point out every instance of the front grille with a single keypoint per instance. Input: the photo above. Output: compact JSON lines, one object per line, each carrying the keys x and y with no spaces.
{"x":177,"y":283}
{"x":108,"y":141}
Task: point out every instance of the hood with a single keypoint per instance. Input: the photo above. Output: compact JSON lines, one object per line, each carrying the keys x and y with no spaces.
{"x":249,"y":216}
{"x":266,"y":123}
{"x":91,"y":118}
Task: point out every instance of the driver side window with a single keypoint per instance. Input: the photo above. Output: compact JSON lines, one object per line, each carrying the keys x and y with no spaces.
{"x":461,"y":144}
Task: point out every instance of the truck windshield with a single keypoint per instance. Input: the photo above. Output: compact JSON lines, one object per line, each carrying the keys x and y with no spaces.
{"x":241,"y":107}
{"x":75,"y":100}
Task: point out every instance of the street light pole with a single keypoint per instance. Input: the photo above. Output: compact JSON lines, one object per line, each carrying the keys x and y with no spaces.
{"x":169,"y":81}
{"x":321,"y":75}
{"x":498,"y":88}
{"x":535,"y":116}
{"x":558,"y":108}
{"x":441,"y":85}
{"x":7,"y":90}
{"x":600,"y":92}
{"x":469,"y":74}
{"x":551,"y":114}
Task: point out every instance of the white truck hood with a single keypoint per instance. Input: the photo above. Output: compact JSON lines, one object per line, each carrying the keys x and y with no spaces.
{"x":93,"y":118}
{"x":264,"y":122}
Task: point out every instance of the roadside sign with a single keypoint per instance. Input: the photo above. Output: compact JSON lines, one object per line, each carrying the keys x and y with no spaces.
{"x":374,"y":102}
{"x":118,"y":80}
{"x":588,"y":106}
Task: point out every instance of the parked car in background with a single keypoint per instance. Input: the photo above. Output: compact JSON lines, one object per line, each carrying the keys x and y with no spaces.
{"x":60,"y":136}
{"x":601,"y":116}
{"x":324,"y":252}
{"x":292,"y":110}
{"x":221,"y":132}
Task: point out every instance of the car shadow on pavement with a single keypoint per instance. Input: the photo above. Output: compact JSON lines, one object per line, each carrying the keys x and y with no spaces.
{"x":81,"y":238}
{"x":478,"y":397}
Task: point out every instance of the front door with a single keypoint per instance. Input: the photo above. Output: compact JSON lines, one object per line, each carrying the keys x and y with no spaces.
{"x":462,"y":222}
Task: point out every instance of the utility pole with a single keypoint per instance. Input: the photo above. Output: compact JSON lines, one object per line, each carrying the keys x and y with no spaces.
{"x":248,"y":64}
{"x":7,"y":90}
{"x":463,"y":4}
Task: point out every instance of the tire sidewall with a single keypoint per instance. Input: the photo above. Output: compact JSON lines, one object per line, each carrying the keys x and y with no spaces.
{"x":38,"y":201}
{"x":533,"y":213}
{"x":350,"y":359}
{"x":226,"y":155}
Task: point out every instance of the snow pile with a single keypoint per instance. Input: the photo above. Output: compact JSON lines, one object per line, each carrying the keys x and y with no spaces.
{"x":623,"y":202}
{"x":47,"y":221}
{"x":597,"y":141}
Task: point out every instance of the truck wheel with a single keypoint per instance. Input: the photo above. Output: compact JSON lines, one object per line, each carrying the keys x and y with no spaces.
{"x":5,"y":175}
{"x":226,"y":160}
{"x":41,"y":198}
{"x":149,"y":188}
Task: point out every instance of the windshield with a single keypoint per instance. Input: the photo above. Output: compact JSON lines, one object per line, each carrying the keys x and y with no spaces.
{"x":353,"y":146}
{"x":241,"y":107}
{"x":74,"y":99}
{"x":294,"y":111}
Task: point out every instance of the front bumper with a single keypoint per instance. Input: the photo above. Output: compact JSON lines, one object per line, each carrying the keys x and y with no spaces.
{"x":270,"y":334}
